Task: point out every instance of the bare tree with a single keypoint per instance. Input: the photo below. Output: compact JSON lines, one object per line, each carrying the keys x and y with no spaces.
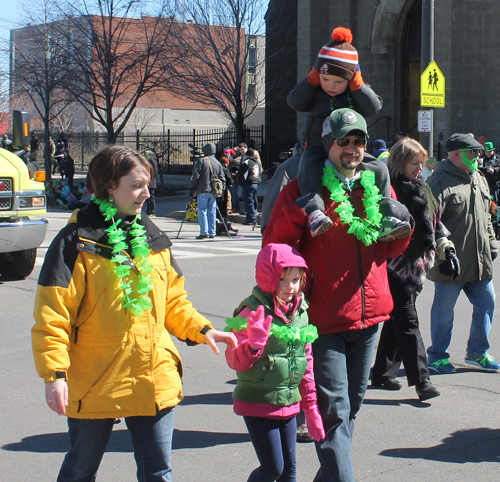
{"x":120,"y":52}
{"x":38,"y":69}
{"x":220,"y":55}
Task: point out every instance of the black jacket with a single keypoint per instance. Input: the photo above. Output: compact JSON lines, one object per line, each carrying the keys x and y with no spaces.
{"x":249,"y":172}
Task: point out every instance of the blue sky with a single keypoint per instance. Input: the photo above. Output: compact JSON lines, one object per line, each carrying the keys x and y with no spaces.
{"x":11,"y":11}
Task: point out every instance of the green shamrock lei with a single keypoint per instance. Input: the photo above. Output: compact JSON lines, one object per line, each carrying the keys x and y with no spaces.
{"x":136,"y":301}
{"x":286,"y":333}
{"x":366,"y":230}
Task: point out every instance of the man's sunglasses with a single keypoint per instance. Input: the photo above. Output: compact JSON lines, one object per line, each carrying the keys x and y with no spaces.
{"x":344,"y":142}
{"x":475,"y":151}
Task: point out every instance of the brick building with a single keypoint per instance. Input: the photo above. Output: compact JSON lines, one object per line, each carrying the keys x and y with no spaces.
{"x":387,"y":35}
{"x":156,"y":111}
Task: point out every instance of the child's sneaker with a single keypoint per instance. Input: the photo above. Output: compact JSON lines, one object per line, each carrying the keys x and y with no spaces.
{"x":318,"y":222}
{"x":392,"y":228}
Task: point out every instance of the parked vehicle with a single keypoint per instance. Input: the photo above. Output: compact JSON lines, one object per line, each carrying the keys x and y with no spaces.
{"x":22,"y":200}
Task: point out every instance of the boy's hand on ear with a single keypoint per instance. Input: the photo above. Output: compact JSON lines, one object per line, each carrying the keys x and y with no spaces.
{"x":357,"y":81}
{"x":258,"y":328}
{"x":313,"y":77}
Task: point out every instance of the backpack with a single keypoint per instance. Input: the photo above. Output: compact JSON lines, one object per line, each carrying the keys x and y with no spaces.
{"x":216,"y":184}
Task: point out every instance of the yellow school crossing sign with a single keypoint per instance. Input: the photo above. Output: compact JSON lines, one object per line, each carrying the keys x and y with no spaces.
{"x":432,"y":86}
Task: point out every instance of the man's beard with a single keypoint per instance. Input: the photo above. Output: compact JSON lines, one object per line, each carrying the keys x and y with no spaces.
{"x":351,"y":162}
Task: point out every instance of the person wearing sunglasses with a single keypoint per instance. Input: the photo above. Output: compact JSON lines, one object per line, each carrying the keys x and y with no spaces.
{"x":464,"y":198}
{"x":346,"y":285}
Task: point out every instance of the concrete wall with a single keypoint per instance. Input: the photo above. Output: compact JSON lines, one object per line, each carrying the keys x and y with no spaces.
{"x":467,"y":42}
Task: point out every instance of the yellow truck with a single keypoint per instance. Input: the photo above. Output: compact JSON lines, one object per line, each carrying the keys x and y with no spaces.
{"x":22,"y":203}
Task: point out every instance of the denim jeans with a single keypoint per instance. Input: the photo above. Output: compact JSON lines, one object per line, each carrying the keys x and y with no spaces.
{"x":151,"y":438}
{"x":250,"y":196}
{"x":235,"y":197}
{"x":341,"y":367}
{"x":482,"y":296}
{"x":207,"y":210}
{"x":274,"y":442}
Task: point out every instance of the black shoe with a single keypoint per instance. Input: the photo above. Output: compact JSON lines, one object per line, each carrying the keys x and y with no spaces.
{"x":202,"y":236}
{"x":426,"y":390}
{"x":211,"y":236}
{"x":303,"y":435}
{"x":387,"y":383}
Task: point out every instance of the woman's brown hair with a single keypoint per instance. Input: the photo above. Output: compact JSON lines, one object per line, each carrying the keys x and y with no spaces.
{"x":110,"y":164}
{"x":402,"y":153}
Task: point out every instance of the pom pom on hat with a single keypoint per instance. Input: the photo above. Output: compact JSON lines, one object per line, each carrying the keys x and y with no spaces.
{"x":342,"y":34}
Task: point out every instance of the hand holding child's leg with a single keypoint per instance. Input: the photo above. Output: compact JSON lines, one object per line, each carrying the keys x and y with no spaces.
{"x":309,"y":177}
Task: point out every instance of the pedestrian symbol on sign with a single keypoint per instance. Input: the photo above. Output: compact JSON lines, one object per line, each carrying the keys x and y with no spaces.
{"x":432,"y":86}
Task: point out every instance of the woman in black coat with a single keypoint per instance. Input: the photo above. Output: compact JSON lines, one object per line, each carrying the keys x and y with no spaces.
{"x":400,"y":339}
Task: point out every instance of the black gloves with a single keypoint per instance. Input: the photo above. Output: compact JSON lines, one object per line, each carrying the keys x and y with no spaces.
{"x":450,"y":267}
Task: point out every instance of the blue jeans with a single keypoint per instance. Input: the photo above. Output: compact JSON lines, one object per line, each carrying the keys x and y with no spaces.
{"x":207,"y":211}
{"x":151,"y":438}
{"x":274,"y":443}
{"x":482,"y":296}
{"x":250,"y":197}
{"x":342,"y":368}
{"x":235,"y":197}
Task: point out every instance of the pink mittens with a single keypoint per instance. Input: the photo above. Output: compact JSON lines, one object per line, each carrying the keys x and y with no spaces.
{"x":258,"y":328}
{"x":314,"y":423}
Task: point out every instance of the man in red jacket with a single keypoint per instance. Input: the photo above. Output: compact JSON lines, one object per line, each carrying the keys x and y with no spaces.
{"x":348,"y":288}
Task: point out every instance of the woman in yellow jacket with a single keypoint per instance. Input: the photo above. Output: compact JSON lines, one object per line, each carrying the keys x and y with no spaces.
{"x":109,"y":296}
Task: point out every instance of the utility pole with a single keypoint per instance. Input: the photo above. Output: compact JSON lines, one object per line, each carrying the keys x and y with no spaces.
{"x":427,"y":56}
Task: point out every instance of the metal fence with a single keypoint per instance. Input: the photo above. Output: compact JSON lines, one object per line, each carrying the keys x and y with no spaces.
{"x":172,"y":148}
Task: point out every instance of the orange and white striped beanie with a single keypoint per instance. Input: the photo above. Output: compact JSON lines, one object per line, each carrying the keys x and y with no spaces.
{"x":339,"y":57}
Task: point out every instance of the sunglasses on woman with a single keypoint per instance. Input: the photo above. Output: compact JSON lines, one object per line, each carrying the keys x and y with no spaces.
{"x":344,"y":142}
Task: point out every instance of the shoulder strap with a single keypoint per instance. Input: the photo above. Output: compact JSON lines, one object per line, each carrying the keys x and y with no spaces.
{"x":210,"y":167}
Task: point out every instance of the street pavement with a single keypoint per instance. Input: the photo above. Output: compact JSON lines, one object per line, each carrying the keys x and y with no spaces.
{"x":454,"y":438}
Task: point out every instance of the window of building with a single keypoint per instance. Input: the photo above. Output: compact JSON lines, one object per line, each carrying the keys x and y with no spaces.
{"x":188,"y":122}
{"x":251,"y":94}
{"x":176,"y":121}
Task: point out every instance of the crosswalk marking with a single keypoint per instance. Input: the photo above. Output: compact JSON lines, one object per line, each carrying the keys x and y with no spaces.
{"x":189,"y":250}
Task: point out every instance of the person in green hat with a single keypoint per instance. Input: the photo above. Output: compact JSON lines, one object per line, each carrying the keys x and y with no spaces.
{"x":490,"y":168}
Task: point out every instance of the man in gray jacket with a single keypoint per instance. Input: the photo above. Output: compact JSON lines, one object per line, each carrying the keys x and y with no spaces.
{"x":464,"y":198}
{"x":206,"y":169}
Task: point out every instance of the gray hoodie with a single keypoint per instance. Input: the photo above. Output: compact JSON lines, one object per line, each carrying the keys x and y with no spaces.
{"x":201,"y":177}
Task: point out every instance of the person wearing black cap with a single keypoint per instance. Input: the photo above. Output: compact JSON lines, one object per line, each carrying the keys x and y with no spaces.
{"x":464,"y":198}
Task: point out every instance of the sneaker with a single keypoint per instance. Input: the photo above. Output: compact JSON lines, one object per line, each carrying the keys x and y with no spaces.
{"x":211,"y":236}
{"x":202,"y":236}
{"x":487,"y":362}
{"x":152,"y":215}
{"x":442,"y":366}
{"x":392,"y":228}
{"x":318,"y":222}
{"x":303,"y":435}
{"x":426,"y":390}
